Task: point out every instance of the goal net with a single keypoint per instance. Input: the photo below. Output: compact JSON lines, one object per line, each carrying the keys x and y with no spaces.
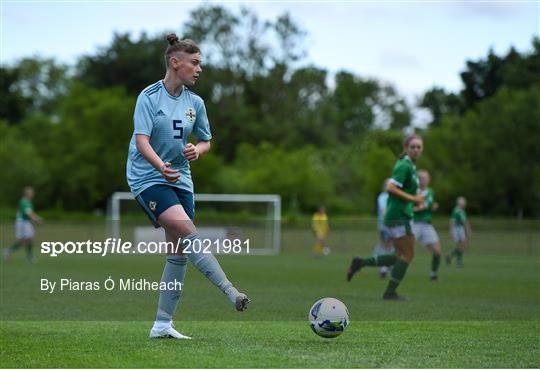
{"x":251,"y":222}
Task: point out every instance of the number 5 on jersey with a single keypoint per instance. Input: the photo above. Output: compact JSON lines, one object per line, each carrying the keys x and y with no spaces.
{"x":176,"y":126}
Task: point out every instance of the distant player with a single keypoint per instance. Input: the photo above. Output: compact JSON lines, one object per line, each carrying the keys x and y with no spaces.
{"x":460,"y":229}
{"x":402,"y":188}
{"x":159,"y":176}
{"x":24,"y":228}
{"x":319,"y":225}
{"x":424,"y":231}
{"x":385,"y":246}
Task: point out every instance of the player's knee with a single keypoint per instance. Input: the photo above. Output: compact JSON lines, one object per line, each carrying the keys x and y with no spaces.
{"x":180,"y":229}
{"x":408,"y":254}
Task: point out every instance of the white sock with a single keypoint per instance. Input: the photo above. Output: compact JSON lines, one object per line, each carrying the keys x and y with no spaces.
{"x":162,"y":325}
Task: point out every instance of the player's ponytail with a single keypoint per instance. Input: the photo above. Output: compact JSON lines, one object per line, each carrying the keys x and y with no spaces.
{"x":172,"y":38}
{"x":406,"y":143}
{"x":176,"y":45}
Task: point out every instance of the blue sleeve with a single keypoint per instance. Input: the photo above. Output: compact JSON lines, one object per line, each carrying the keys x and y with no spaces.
{"x":143,"y":118}
{"x":382,"y":200}
{"x":202,"y":126}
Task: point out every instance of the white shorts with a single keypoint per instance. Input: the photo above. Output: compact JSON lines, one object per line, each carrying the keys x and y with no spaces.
{"x":458,"y":234}
{"x":400,"y":231}
{"x":24,"y":229}
{"x":425,"y":233}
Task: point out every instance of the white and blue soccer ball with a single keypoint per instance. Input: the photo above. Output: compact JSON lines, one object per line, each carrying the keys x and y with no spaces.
{"x":328,"y":317}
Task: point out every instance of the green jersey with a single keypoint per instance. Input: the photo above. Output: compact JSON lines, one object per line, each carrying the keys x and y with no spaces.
{"x":399,"y":211}
{"x":425,"y":215}
{"x":25,"y":207}
{"x":459,"y":216}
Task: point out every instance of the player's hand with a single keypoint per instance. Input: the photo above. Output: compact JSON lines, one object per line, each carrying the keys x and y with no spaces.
{"x":419,"y":199}
{"x":191,"y":152}
{"x":419,"y":207}
{"x":170,"y":174}
{"x":435,"y":206}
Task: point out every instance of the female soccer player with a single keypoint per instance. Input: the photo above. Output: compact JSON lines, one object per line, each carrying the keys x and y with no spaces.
{"x":384,"y":247}
{"x":402,"y":188}
{"x":319,"y":225}
{"x":24,"y":228}
{"x":423,"y":230}
{"x":460,"y":229}
{"x":158,"y":173}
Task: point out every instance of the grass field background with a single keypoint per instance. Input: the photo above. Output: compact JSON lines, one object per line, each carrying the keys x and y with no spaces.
{"x":485,"y":314}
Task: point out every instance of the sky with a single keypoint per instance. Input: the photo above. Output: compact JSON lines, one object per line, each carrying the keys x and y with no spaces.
{"x":414,"y":45}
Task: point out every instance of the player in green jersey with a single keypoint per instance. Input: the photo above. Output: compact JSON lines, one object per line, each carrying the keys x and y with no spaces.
{"x":423,"y":230}
{"x":24,"y":228}
{"x":460,"y":229}
{"x":402,"y":188}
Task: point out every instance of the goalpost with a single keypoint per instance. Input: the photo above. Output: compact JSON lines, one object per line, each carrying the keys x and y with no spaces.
{"x":255,"y":218}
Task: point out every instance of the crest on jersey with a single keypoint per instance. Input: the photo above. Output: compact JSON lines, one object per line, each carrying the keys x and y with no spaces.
{"x":152,"y":204}
{"x":191,"y":115}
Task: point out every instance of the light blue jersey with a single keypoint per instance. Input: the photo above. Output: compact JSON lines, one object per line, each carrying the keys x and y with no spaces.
{"x":168,"y":121}
{"x":382,"y":199}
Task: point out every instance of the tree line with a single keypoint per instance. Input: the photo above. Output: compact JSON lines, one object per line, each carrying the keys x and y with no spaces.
{"x":280,"y":124}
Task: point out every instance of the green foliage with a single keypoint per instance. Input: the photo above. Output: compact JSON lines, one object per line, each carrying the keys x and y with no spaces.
{"x":379,"y":155}
{"x":75,"y":162}
{"x":91,"y":144}
{"x":32,"y":86}
{"x":483,"y":78}
{"x":440,"y":103}
{"x":132,"y":64}
{"x":490,"y":155}
{"x":20,"y":165}
{"x":12,"y":103}
{"x":298,"y":176}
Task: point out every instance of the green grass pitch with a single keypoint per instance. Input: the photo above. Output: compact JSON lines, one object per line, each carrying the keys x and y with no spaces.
{"x":484,"y":315}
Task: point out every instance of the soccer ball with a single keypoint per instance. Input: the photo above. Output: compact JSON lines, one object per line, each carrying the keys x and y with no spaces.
{"x":328,"y":317}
